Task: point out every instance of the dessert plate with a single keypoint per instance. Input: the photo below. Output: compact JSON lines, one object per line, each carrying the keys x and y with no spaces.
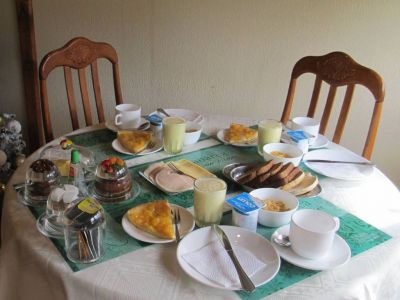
{"x":188,"y":115}
{"x":156,"y":145}
{"x":320,"y":142}
{"x":221,"y":137}
{"x":186,"y":225}
{"x":144,"y":124}
{"x":250,"y":241}
{"x":337,"y":170}
{"x":339,"y":254}
{"x":134,"y":192}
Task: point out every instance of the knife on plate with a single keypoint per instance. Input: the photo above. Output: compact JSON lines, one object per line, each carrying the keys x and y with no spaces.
{"x":245,"y":281}
{"x":364,"y":163}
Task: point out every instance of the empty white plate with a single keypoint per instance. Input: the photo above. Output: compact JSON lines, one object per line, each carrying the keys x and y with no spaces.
{"x":338,"y":170}
{"x":338,"y":255}
{"x":186,"y":225}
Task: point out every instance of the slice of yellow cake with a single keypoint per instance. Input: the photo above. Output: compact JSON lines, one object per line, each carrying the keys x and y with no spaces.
{"x":153,"y":217}
{"x":134,"y":141}
{"x":238,"y":133}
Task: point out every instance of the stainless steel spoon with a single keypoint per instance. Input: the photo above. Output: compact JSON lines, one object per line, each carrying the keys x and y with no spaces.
{"x":282,"y":240}
{"x":161,"y":110}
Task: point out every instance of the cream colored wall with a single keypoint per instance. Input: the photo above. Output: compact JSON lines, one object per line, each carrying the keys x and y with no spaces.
{"x":232,"y":57}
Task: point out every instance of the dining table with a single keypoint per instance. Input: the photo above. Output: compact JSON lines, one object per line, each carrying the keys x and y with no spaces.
{"x":33,"y":266}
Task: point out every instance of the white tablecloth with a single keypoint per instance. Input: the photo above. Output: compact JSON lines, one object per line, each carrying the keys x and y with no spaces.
{"x":32,"y":268}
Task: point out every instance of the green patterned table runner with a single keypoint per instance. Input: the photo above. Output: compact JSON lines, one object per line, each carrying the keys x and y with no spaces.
{"x":359,"y":235}
{"x":99,"y":142}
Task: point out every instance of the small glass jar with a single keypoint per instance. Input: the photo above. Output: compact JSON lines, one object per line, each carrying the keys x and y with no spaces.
{"x":113,"y":183}
{"x":85,"y":222}
{"x":40,"y":178}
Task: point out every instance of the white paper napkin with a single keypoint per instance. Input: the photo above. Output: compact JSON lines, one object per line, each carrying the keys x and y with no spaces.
{"x":214,"y":263}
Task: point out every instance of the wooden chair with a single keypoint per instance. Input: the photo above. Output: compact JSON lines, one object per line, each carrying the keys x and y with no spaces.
{"x":78,"y":54}
{"x":338,"y":69}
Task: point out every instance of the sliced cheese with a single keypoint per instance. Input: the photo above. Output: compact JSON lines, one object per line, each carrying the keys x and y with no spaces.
{"x":191,"y":169}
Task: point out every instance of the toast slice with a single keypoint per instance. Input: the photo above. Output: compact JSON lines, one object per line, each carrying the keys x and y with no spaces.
{"x":154,"y":218}
{"x":295,"y":174}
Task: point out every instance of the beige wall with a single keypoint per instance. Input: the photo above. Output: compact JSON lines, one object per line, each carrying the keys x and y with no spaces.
{"x":226,"y":57}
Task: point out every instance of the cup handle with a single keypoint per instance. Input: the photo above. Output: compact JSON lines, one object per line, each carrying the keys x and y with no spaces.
{"x":117,"y":119}
{"x":337,"y":221}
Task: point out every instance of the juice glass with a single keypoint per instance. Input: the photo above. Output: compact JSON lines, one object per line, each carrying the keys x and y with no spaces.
{"x":209,"y":198}
{"x":173,"y":134}
{"x":269,"y":131}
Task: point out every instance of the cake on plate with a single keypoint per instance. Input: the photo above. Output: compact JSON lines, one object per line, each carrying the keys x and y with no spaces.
{"x":113,"y":181}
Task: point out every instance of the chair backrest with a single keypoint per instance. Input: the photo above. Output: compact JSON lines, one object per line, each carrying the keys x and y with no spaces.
{"x":78,"y":54}
{"x":338,"y":69}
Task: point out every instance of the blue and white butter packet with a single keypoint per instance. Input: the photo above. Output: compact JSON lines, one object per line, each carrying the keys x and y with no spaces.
{"x":244,"y":203}
{"x":154,"y":118}
{"x":299,"y":138}
{"x":298,"y":135}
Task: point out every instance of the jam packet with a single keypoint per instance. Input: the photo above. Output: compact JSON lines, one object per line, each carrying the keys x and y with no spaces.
{"x":244,"y":203}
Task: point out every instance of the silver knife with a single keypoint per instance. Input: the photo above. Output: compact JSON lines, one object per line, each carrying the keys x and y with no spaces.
{"x":365,"y":163}
{"x":245,"y":281}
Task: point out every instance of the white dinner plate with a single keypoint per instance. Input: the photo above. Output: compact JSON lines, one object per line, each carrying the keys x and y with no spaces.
{"x":221,"y":137}
{"x":158,"y":145}
{"x":338,"y":255}
{"x":337,"y":170}
{"x":320,"y":142}
{"x":188,"y":115}
{"x":257,"y":245}
{"x":144,"y":124}
{"x":185,"y":226}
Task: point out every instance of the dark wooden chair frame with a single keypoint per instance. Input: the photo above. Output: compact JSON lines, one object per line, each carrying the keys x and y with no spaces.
{"x":78,"y":54}
{"x":338,"y":69}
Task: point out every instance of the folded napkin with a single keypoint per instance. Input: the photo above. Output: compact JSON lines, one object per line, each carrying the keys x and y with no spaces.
{"x":213,"y":262}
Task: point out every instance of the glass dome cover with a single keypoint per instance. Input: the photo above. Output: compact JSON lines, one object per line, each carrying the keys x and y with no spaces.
{"x":60,"y":155}
{"x":113,"y":183}
{"x":41,"y":176}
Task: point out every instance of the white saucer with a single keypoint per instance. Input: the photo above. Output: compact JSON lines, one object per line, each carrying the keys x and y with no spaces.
{"x":339,"y":254}
{"x":144,"y":125}
{"x":320,"y":142}
{"x":221,"y":137}
{"x":158,"y":145}
{"x":186,"y":225}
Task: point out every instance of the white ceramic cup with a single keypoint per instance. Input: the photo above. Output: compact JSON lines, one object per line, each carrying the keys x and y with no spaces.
{"x":306,"y":124}
{"x":312,"y":232}
{"x":127,"y":116}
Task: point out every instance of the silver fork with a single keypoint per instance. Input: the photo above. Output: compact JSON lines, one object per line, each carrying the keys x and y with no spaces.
{"x":177,"y":220}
